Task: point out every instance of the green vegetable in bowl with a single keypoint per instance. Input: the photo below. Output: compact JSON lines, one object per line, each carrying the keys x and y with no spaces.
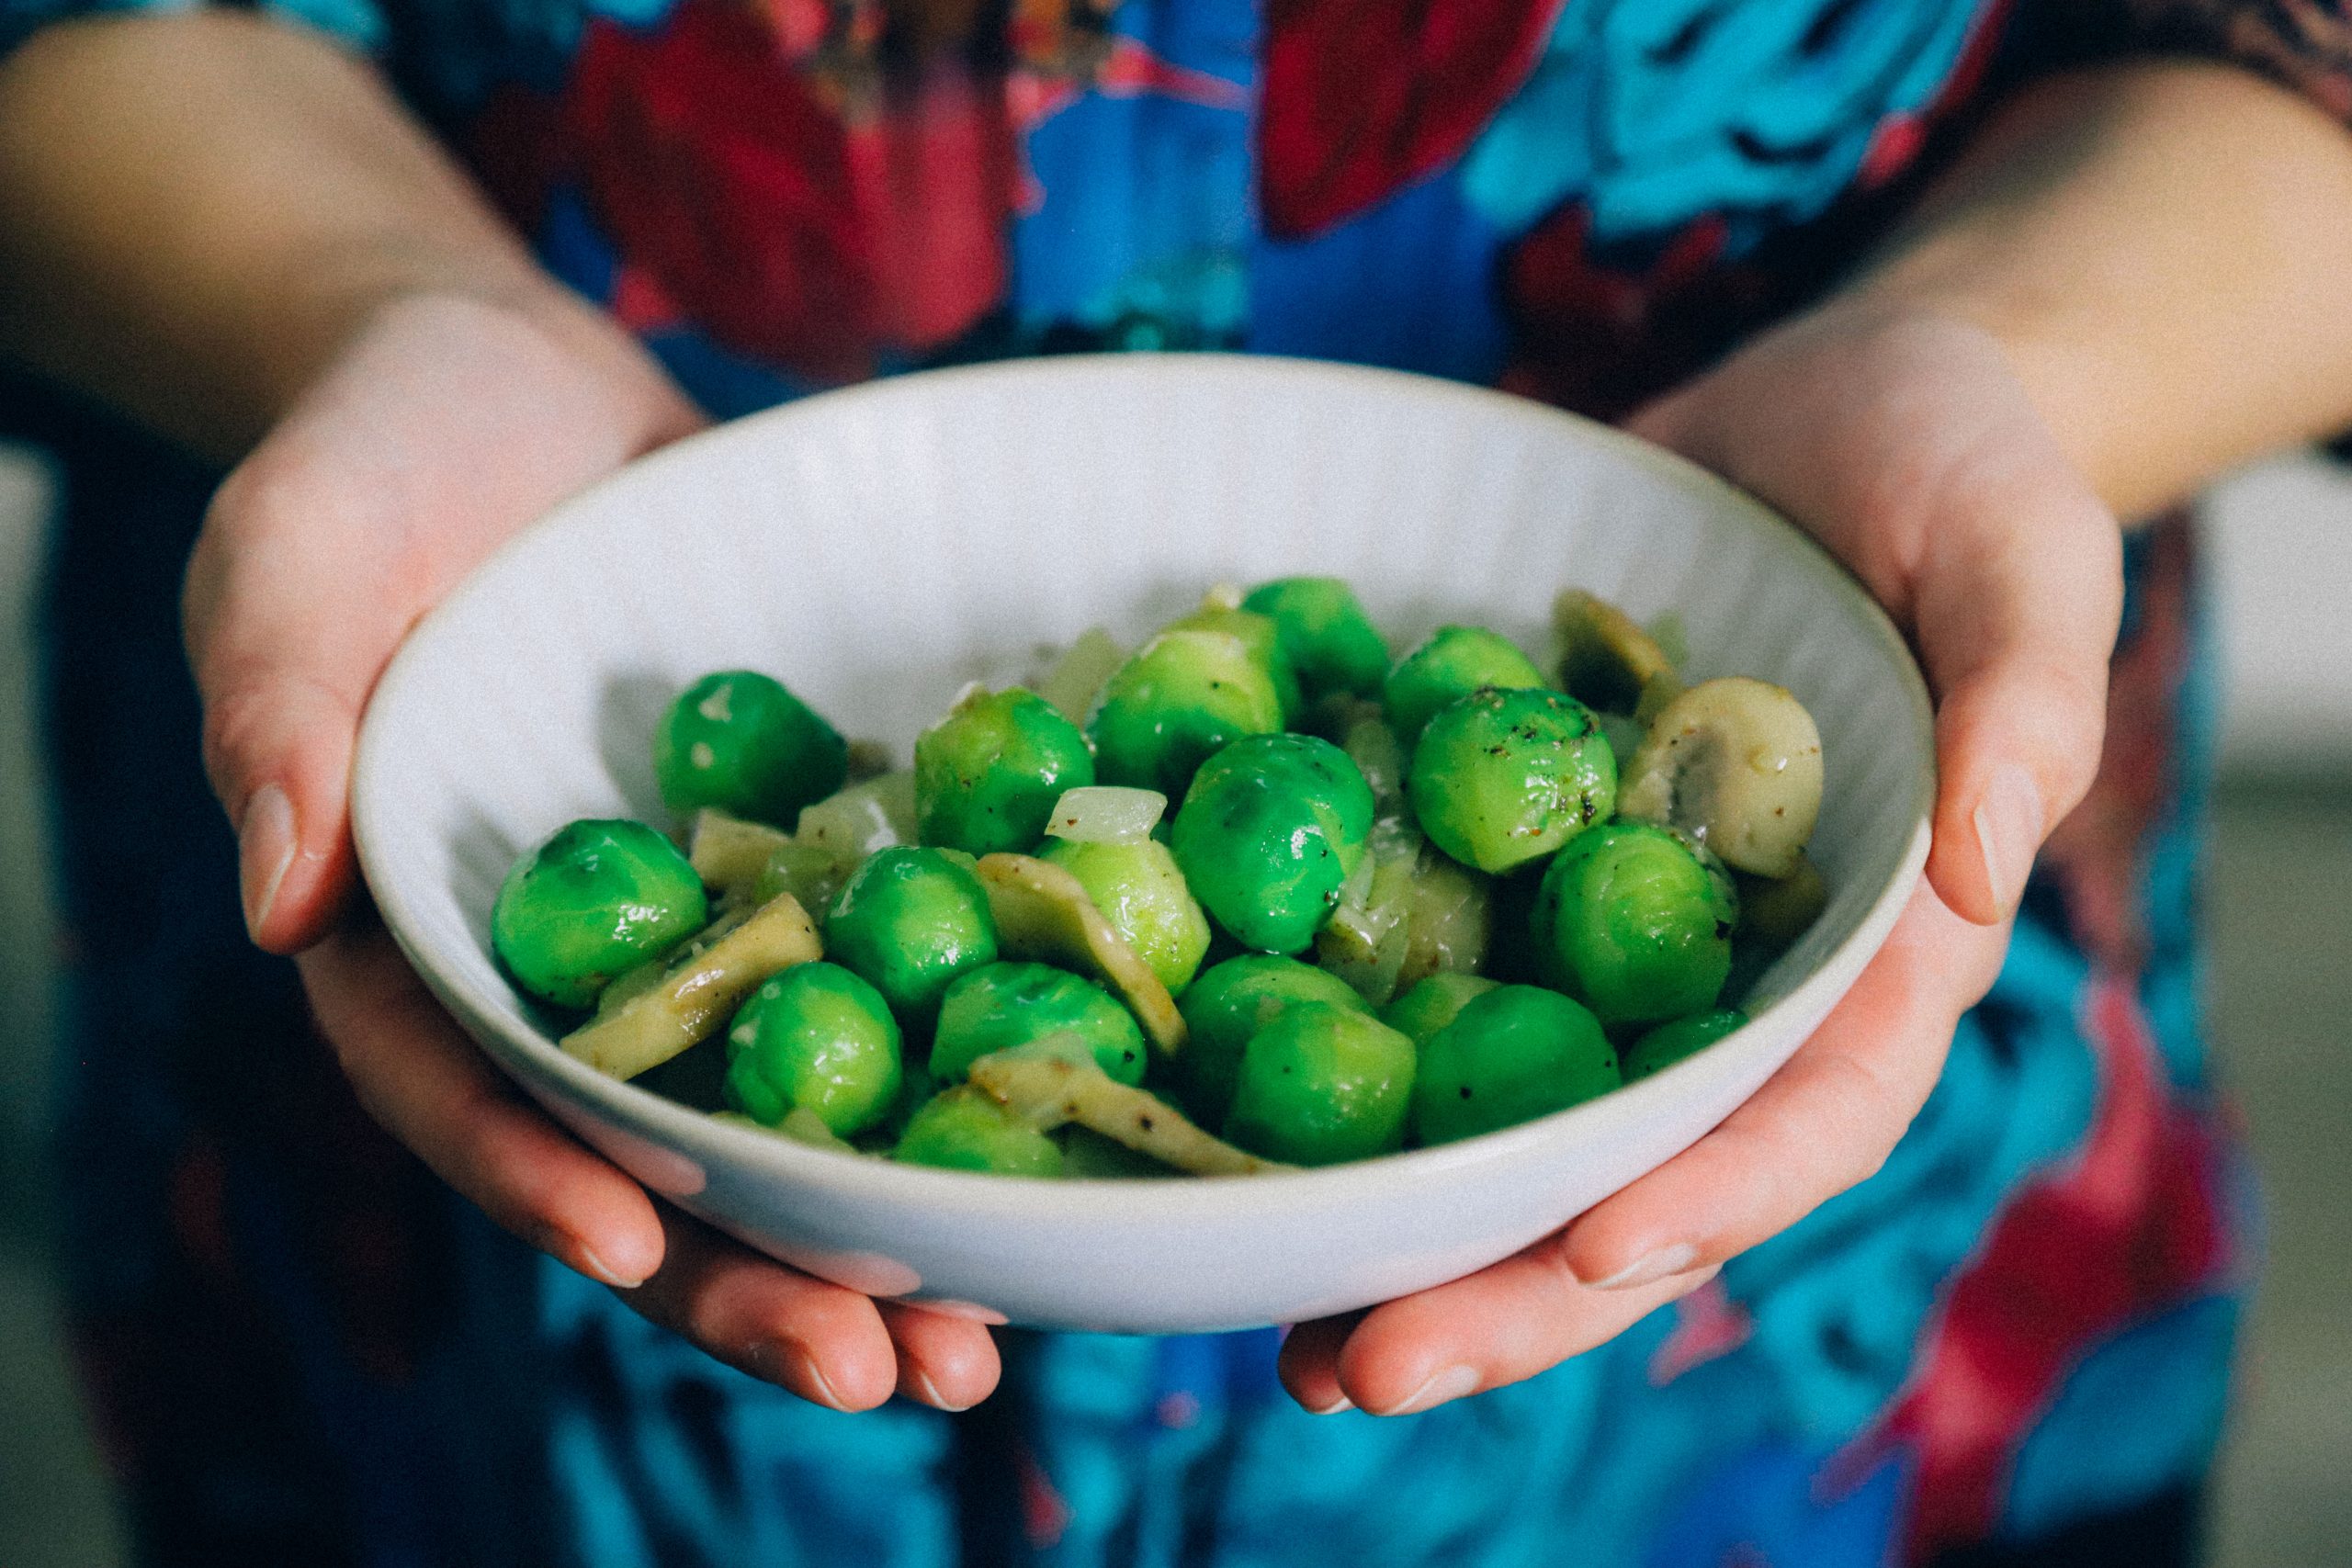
{"x":987,"y":776}
{"x":1322,"y":1084}
{"x":1636,"y":922}
{"x":1004,"y":1005}
{"x":1511,"y":1054}
{"x":910,"y":922}
{"x":738,"y":741}
{"x":1331,"y":643}
{"x":598,"y":897}
{"x":963,"y":1129}
{"x":1669,"y":1043}
{"x":1183,"y":695}
{"x":1500,"y":778}
{"x":815,"y":1038}
{"x":1258,"y":635}
{"x":1271,"y":827}
{"x":1451,"y":664}
{"x":1141,"y":893}
{"x":1434,"y":1003}
{"x":1232,"y":1002}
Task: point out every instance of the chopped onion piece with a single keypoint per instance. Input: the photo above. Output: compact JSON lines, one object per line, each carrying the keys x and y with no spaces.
{"x":862,"y":818}
{"x":1077,"y":677}
{"x":1106,"y":814}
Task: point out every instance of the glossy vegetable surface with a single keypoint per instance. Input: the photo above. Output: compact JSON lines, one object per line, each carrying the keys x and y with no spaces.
{"x":738,"y":741}
{"x":1229,"y":1003}
{"x":1144,"y":896}
{"x":1271,"y":827}
{"x":1499,"y":778}
{"x":1004,"y":1005}
{"x":987,"y":776}
{"x":1331,"y":643}
{"x":1633,"y":922}
{"x":1509,"y":1055}
{"x":1182,"y":697}
{"x":965,"y":1130}
{"x":1670,"y":1043}
{"x":1322,"y":1084}
{"x":909,"y":922}
{"x":1453,"y":662}
{"x":598,"y":897}
{"x":814,"y":1038}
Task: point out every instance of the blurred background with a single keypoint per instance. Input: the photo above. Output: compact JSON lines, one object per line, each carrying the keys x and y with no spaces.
{"x":2281,"y":1002}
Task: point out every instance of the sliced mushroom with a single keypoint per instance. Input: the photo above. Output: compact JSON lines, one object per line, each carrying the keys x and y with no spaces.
{"x":1736,"y":764}
{"x":1077,"y":677}
{"x":853,"y":823}
{"x":1042,"y":913}
{"x":729,"y":853}
{"x":1775,"y":912}
{"x":654,"y":1012}
{"x":1447,"y":926}
{"x":1607,"y":660}
{"x":1052,"y":1089}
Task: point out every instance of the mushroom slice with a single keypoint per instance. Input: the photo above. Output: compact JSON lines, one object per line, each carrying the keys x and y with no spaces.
{"x":851,"y":823}
{"x":1607,"y":660}
{"x":1049,"y":1088}
{"x":1447,"y":926}
{"x":1777,"y":911}
{"x":1736,"y":764}
{"x":1077,"y":677}
{"x":1042,"y":913}
{"x":659,"y":1009}
{"x":729,"y":853}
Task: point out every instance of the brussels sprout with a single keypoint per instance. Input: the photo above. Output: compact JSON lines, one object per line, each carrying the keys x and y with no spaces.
{"x":910,"y":922}
{"x":1331,"y":643}
{"x":1182,"y":697}
{"x":1451,"y":664}
{"x":1431,"y":1005}
{"x":598,"y":897}
{"x":1322,"y":1084}
{"x":815,"y":1038}
{"x":1141,"y":893}
{"x":654,"y":1012}
{"x":1516,"y":1053}
{"x":963,"y":1129}
{"x":988,"y":774}
{"x":1631,"y":920}
{"x":1670,"y":1043}
{"x":1258,"y":634}
{"x":736,"y":739}
{"x":1005,"y":1005}
{"x":1500,"y":778}
{"x":1232,"y":1002}
{"x":1271,"y":827}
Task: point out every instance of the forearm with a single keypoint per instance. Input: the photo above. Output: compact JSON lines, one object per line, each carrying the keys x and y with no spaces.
{"x":201,"y":209}
{"x":2162,"y":248}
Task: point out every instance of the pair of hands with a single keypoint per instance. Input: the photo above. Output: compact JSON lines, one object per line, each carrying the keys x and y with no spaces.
{"x":1905,"y":443}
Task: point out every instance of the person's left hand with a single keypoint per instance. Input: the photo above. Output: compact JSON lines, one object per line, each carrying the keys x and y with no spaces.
{"x":1907,"y":445}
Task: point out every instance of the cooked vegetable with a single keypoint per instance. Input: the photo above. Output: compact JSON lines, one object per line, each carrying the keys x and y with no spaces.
{"x":1182,"y":697}
{"x":1775,"y":912}
{"x":648,"y":1017}
{"x":987,"y":776}
{"x":853,"y":823}
{"x":1607,"y":660}
{"x":909,"y":922}
{"x":1632,"y":920}
{"x":1222,"y":613}
{"x":731,"y":854}
{"x":1229,"y":1004}
{"x":1271,"y":827}
{"x":1076,"y":681}
{"x":815,"y":1038}
{"x":1322,"y":1084}
{"x":1434,"y":1003}
{"x":1049,"y":1088}
{"x":964,"y":1129}
{"x":1509,"y":1055}
{"x":1106,"y":814}
{"x":1137,"y":887}
{"x":1670,"y":1043}
{"x":1736,"y":763}
{"x":738,"y":741}
{"x":1044,"y":913}
{"x":1451,"y":664}
{"x":1500,"y":778}
{"x":600,"y":896}
{"x":1005,"y":1005}
{"x":1331,"y":643}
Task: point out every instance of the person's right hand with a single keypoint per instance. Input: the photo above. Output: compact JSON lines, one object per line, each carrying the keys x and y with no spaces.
{"x":444,"y":426}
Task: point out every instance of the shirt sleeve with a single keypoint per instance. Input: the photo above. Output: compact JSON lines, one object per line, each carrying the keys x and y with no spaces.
{"x":358,"y":25}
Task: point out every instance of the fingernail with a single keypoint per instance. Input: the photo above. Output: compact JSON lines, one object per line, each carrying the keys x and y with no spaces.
{"x":2008,"y":831}
{"x":1451,"y":1383}
{"x":818,"y":1388}
{"x":265,"y":845}
{"x":1650,"y":1268}
{"x":931,"y":1395}
{"x":1338,"y":1402}
{"x":585,"y":1259}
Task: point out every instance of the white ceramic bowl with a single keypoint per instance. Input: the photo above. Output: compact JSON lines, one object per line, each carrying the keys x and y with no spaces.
{"x":877,"y":549}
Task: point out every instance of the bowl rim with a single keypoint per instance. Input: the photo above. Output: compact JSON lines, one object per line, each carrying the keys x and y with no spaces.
{"x":528,"y":1056}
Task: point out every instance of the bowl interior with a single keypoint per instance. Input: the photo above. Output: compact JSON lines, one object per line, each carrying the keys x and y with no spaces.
{"x":878,"y":548}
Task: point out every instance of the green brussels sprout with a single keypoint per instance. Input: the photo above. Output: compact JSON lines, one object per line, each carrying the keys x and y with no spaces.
{"x":1271,"y":827}
{"x":1004,"y":1005}
{"x":1512,"y":1054}
{"x":1453,"y":662}
{"x":738,"y":741}
{"x":963,"y":1129}
{"x":1229,"y":1003}
{"x":1322,"y":1084}
{"x":1141,"y":893}
{"x":988,"y":774}
{"x":910,"y":920}
{"x":1431,"y":1005}
{"x":815,"y":1038}
{"x":1632,"y":920}
{"x":1331,"y":643}
{"x":1261,"y":636}
{"x":598,"y":897}
{"x":1501,"y":778}
{"x":1180,"y":698}
{"x":1670,"y":1043}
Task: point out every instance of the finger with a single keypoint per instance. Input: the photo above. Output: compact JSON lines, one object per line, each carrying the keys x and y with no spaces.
{"x":1310,"y":1363}
{"x":948,"y":1363}
{"x":431,"y":1089}
{"x":1824,"y":1122}
{"x":823,"y":1341}
{"x":1501,"y":1326}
